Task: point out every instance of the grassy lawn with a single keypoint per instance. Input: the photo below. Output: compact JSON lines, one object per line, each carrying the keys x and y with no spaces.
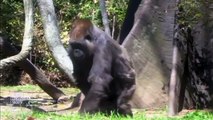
{"x":20,"y":113}
{"x":196,"y":115}
{"x":34,"y":88}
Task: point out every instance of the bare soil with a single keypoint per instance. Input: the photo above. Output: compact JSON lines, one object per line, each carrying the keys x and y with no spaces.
{"x":28,"y":101}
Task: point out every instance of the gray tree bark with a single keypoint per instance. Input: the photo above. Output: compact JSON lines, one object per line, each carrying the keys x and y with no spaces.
{"x":200,"y":86}
{"x":191,"y":86}
{"x":177,"y":71}
{"x":105,"y":19}
{"x":173,"y":83}
{"x":150,"y":44}
{"x":209,"y":40}
{"x":53,"y":38}
{"x":27,"y":40}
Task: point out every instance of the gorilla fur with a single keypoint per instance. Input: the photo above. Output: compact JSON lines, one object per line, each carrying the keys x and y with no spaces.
{"x":102,"y":69}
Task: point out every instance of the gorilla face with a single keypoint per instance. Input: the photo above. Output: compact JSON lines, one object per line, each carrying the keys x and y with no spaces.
{"x":80,"y":50}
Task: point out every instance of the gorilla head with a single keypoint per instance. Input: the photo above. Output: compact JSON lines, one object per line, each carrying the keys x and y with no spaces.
{"x":80,"y":43}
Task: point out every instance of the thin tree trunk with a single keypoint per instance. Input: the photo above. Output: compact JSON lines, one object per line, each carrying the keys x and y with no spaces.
{"x":104,"y":16}
{"x":176,"y":87}
{"x":173,"y":81}
{"x":53,"y":38}
{"x":32,"y":70}
{"x":113,"y":27}
{"x":27,"y":40}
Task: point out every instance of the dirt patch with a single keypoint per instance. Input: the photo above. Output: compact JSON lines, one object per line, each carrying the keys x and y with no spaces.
{"x":31,"y":100}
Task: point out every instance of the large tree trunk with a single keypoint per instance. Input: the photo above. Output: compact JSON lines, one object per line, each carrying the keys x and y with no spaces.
{"x":27,"y":41}
{"x":149,"y":44}
{"x":32,"y":70}
{"x":199,"y":90}
{"x":53,"y":38}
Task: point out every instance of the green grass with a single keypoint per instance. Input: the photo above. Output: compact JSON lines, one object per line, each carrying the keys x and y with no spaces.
{"x":76,"y":116}
{"x":21,"y":88}
{"x":35,"y":88}
{"x":23,"y":113}
{"x":199,"y":115}
{"x":17,"y":113}
{"x":196,"y":115}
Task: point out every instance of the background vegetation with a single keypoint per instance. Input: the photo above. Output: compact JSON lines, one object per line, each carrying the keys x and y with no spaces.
{"x":12,"y":26}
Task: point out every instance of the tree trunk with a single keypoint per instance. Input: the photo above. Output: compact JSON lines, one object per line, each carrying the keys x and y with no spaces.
{"x":53,"y":38}
{"x":199,"y":88}
{"x":193,"y":87}
{"x":149,"y":44}
{"x":173,"y":99}
{"x":32,"y":70}
{"x":179,"y":73}
{"x":27,"y":41}
{"x":104,"y":16}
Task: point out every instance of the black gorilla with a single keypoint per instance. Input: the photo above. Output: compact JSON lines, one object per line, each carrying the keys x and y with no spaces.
{"x":102,"y":69}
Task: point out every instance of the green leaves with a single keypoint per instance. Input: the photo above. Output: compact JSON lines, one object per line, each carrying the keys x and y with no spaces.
{"x":12,"y":20}
{"x":190,"y":12}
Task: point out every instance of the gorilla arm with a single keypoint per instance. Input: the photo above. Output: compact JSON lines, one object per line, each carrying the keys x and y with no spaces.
{"x":100,"y":78}
{"x":125,"y":72}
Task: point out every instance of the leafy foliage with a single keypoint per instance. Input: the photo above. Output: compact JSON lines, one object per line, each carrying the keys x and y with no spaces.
{"x":12,"y":19}
{"x":12,"y":25}
{"x":117,"y":8}
{"x":190,"y":12}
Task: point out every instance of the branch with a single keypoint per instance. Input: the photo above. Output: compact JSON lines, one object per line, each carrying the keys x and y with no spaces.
{"x":27,"y":40}
{"x":53,"y":38}
{"x":104,"y":16}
